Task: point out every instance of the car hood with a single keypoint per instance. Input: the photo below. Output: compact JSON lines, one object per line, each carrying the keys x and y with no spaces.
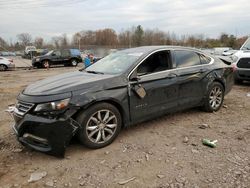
{"x":67,"y":83}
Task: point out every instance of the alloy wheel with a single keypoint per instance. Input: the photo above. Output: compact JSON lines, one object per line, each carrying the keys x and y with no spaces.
{"x":2,"y":68}
{"x":101,"y":126}
{"x":215,"y":97}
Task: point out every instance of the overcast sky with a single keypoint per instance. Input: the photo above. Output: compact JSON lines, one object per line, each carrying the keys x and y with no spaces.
{"x":47,"y":18}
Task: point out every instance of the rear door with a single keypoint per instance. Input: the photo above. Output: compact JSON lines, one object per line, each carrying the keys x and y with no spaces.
{"x":65,"y":56}
{"x":191,"y":77}
{"x":158,"y":80}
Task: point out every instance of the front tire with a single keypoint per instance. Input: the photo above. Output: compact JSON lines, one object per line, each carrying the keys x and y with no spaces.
{"x":101,"y":124}
{"x":3,"y":67}
{"x":46,"y":64}
{"x":214,"y":98}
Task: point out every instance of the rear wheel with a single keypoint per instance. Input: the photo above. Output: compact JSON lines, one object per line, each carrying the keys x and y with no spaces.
{"x":74,"y":62}
{"x":3,"y":67}
{"x":214,"y":97}
{"x":101,"y":123}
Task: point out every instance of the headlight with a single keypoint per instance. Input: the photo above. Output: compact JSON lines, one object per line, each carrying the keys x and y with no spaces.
{"x":234,"y":58}
{"x":52,"y":106}
{"x":37,"y":59}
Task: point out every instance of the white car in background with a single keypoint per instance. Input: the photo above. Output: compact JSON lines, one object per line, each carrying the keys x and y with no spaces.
{"x":6,"y":64}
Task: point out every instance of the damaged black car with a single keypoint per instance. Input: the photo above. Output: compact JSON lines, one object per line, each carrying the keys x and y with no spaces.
{"x":122,"y":89}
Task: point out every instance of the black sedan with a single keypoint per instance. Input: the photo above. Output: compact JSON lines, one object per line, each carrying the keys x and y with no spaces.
{"x":122,"y":89}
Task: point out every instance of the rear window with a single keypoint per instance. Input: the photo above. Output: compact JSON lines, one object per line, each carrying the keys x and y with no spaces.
{"x":205,"y":59}
{"x":186,"y":58}
{"x":75,"y":52}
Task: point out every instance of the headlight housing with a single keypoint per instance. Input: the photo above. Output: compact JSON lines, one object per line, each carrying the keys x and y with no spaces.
{"x":37,"y":59}
{"x":52,"y":106}
{"x":234,"y":58}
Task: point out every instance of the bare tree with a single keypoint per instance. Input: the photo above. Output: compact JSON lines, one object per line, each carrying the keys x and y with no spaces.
{"x":24,"y":38}
{"x":39,"y":42}
{"x":64,"y":41}
{"x":56,"y":41}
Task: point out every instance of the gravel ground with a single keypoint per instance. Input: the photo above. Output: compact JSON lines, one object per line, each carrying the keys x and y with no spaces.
{"x":165,"y":152}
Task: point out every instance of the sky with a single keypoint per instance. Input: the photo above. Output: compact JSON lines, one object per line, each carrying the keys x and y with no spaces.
{"x":48,"y":18}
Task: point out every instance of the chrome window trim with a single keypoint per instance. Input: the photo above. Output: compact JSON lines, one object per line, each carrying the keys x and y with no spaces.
{"x":210,"y":63}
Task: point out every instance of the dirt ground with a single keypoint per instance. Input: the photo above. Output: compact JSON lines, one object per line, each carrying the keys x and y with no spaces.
{"x":166,"y":152}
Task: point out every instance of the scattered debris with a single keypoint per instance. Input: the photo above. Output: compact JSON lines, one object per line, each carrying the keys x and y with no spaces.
{"x":82,"y":183}
{"x":160,"y":176}
{"x":18,"y":150}
{"x":126,"y":181}
{"x":225,"y":106}
{"x":147,"y":157}
{"x":37,"y":176}
{"x":204,"y":126}
{"x":194,"y":151}
{"x":185,"y":140}
{"x":209,"y":143}
{"x":49,"y":184}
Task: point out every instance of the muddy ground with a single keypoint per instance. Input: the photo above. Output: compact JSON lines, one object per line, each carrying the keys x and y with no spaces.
{"x":166,"y":152}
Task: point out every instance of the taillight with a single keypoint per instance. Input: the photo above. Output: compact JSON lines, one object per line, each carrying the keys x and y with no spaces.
{"x":234,"y":67}
{"x":11,"y":60}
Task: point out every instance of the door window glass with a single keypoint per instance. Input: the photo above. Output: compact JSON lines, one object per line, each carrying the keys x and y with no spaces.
{"x":186,"y":58}
{"x":65,"y":53}
{"x":159,"y":61}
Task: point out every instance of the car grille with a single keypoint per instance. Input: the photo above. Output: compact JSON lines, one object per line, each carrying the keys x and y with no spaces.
{"x":244,"y":63}
{"x":22,"y":107}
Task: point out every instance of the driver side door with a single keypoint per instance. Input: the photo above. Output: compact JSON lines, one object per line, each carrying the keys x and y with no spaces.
{"x":156,"y":77}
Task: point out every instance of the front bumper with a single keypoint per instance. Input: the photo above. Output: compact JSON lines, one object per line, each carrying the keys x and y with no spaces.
{"x":242,"y":74}
{"x":49,"y":135}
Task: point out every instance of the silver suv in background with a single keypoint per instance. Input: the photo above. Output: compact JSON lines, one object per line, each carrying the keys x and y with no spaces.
{"x":241,"y":63}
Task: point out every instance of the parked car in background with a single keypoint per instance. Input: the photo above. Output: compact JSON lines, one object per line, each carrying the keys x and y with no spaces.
{"x":66,"y":57}
{"x":6,"y":64}
{"x":242,"y":63}
{"x":29,"y":52}
{"x":122,"y":89}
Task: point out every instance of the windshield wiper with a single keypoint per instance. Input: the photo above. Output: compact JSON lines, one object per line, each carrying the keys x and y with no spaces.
{"x":246,"y":48}
{"x":95,"y":72}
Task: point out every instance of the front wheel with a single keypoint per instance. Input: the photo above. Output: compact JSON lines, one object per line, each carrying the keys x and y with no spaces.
{"x":46,"y":64}
{"x":3,"y":67}
{"x":214,"y":97}
{"x":101,"y":124}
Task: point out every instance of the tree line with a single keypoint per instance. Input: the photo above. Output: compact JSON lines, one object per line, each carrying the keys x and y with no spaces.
{"x":132,"y":37}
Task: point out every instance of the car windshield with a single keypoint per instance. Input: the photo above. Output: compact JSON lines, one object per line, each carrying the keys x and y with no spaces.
{"x":115,"y":63}
{"x":49,"y":53}
{"x":246,"y":45}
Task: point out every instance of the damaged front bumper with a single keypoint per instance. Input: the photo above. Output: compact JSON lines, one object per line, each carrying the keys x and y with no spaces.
{"x":45,"y":134}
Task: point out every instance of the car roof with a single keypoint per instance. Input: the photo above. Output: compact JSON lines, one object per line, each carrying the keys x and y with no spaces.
{"x":148,"y":49}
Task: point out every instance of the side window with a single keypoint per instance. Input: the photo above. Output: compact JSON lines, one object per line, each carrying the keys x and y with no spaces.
{"x":57,"y":53}
{"x":186,"y":58}
{"x":65,"y":53}
{"x":159,"y":61}
{"x":205,"y":59}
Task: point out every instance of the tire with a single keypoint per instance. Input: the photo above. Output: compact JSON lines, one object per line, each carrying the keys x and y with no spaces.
{"x":101,"y":124}
{"x":214,"y":98}
{"x":73,"y":62}
{"x":3,"y":67}
{"x":46,"y":64}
